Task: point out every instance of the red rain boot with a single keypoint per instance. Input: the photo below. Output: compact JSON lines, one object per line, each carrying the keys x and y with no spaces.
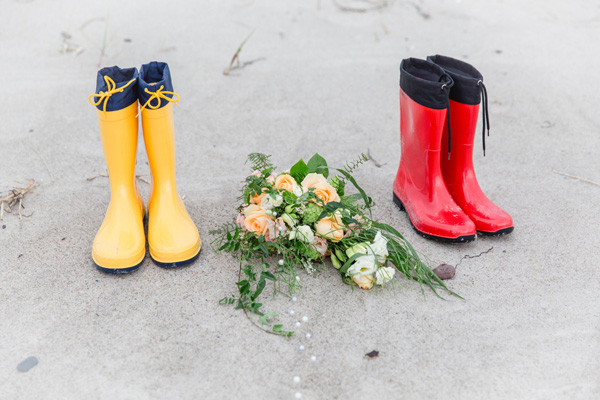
{"x":419,"y":186}
{"x":458,"y":172}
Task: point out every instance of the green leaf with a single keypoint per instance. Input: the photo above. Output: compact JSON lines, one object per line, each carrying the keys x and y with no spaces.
{"x":269,"y":276}
{"x":318,"y":164}
{"x":364,"y":196}
{"x":299,"y":171}
{"x":259,"y":288}
{"x":264,"y":319}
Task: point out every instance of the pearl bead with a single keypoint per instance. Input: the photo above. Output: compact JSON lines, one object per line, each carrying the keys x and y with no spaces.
{"x":297,"y":278}
{"x":294,"y":298}
{"x":296,"y":379}
{"x":301,"y":347}
{"x":280,"y":262}
{"x":274,"y":213}
{"x":313,"y":358}
{"x":298,"y":395}
{"x":308,"y":335}
{"x":304,"y":319}
{"x":298,"y":324}
{"x":292,"y":312}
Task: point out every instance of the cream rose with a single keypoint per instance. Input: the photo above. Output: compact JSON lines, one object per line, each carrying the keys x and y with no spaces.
{"x":384,"y":274}
{"x":268,"y":202}
{"x":304,"y":234}
{"x":363,"y":281}
{"x":257,"y":220}
{"x":322,"y":189}
{"x":331,"y":228}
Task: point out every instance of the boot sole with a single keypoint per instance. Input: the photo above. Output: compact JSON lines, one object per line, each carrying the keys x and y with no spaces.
{"x":501,"y":232}
{"x":119,"y":270}
{"x":177,"y":264}
{"x":441,"y":239}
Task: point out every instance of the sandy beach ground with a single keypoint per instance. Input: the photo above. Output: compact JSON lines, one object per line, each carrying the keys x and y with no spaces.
{"x":323,"y":79}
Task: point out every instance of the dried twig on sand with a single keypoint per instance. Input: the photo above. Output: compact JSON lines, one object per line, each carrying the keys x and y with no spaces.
{"x":475,"y":256}
{"x":14,"y":197}
{"x":138,"y":177}
{"x":575,"y":177}
{"x":142,"y":179}
{"x":236,"y":56}
{"x":360,"y":6}
{"x":46,"y":164}
{"x":422,"y":13}
{"x":91,"y":178}
{"x":372,"y":159}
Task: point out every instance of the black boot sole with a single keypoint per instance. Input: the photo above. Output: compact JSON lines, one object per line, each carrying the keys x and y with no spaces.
{"x":501,"y":232}
{"x":177,"y":264}
{"x":119,"y":270}
{"x":441,"y":239}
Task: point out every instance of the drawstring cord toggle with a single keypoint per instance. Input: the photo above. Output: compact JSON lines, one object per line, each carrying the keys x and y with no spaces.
{"x":484,"y":112}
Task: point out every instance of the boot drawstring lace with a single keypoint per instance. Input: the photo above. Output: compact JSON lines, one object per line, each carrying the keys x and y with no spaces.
{"x":448,"y":123}
{"x":159,"y":94}
{"x":484,"y":112}
{"x":111,"y":89}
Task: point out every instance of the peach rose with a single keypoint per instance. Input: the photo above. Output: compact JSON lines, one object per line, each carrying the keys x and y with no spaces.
{"x":285,"y":181}
{"x":322,"y":189}
{"x":258,"y":198}
{"x":257,"y":220}
{"x":331,"y":228}
{"x":364,"y":281}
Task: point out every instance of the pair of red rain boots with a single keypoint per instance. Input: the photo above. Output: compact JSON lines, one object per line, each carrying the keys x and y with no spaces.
{"x":436,"y":182}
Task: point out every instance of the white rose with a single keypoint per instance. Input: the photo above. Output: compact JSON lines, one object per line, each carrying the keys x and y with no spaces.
{"x":364,"y":265}
{"x":379,"y":248}
{"x":384,"y":274}
{"x":305,"y":234}
{"x":297,"y":190}
{"x":269,"y":202}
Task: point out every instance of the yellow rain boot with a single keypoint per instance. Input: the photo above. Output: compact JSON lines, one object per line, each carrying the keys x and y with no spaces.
{"x":120,"y":244}
{"x":173,"y":239}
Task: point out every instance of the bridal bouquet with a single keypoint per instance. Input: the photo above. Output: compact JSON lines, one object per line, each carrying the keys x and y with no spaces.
{"x":300,"y":218}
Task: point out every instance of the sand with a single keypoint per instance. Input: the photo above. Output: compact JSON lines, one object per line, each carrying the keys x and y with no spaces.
{"x":323,"y":80}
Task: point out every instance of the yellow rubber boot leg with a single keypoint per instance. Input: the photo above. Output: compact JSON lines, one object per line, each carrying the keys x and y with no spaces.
{"x":120,"y":244}
{"x":173,"y":239}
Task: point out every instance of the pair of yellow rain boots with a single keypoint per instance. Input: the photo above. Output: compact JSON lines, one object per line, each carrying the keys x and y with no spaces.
{"x":173,"y":239}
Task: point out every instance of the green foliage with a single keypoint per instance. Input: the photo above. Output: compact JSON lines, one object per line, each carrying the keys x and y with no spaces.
{"x":318,"y":164}
{"x":299,"y":171}
{"x":338,"y":185}
{"x":259,"y":161}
